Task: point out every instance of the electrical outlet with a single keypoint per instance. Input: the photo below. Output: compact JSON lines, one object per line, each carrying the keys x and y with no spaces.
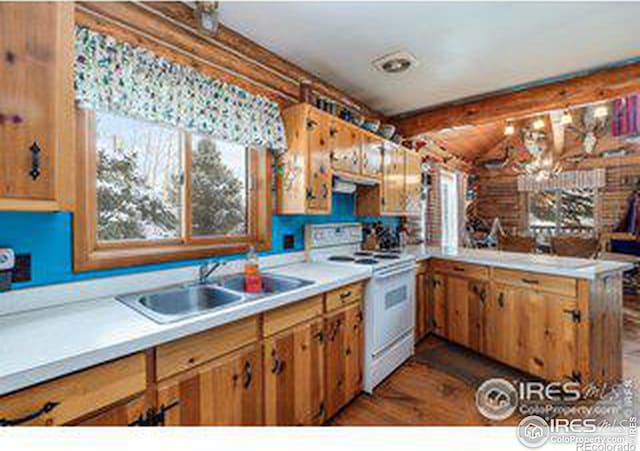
{"x":289,"y":241}
{"x":22,"y":268}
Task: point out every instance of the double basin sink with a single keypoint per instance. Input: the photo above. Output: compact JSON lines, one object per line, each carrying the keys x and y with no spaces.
{"x":180,"y":302}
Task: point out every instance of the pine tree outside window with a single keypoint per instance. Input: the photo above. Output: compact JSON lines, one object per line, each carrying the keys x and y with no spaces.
{"x":153,"y":192}
{"x":560,"y":211}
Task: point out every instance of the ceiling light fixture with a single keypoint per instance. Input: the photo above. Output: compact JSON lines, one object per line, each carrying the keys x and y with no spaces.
{"x":566,"y":118}
{"x":600,"y":112}
{"x":395,"y":63}
{"x":538,"y":124}
{"x":509,"y":129}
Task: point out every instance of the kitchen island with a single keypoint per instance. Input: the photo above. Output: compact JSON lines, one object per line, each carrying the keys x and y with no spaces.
{"x":553,"y":317}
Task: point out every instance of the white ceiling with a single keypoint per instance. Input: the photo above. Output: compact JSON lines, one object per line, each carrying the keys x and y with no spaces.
{"x":464,"y":49}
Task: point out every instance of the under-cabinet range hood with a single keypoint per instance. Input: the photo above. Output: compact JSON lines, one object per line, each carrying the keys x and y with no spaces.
{"x":344,"y":178}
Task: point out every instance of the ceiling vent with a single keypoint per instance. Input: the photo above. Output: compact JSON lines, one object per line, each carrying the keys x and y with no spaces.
{"x":395,"y":63}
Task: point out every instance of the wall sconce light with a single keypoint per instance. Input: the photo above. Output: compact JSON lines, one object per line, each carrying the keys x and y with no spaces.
{"x":538,"y":124}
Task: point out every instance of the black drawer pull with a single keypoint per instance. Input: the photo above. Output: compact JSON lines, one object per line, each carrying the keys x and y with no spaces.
{"x":247,"y":374}
{"x":35,"y":161}
{"x":458,"y":268}
{"x":48,"y":407}
{"x":531,"y":281}
{"x":345,"y":294}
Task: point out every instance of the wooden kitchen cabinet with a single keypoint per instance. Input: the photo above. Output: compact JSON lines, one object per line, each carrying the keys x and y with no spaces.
{"x":70,"y":398}
{"x":465,"y":316}
{"x":346,"y":147}
{"x":224,"y":392}
{"x":294,"y":376}
{"x":344,"y":357}
{"x":372,"y":154}
{"x":393,"y":200}
{"x":438,"y":299}
{"x":413,"y":182}
{"x":303,"y":175}
{"x":423,"y":305}
{"x":36,"y":106}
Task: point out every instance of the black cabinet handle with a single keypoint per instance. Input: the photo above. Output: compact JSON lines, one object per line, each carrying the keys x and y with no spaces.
{"x":247,"y":374}
{"x":333,"y":131}
{"x":35,"y":161}
{"x":159,"y":417}
{"x":531,"y":281}
{"x":46,"y":408}
{"x":311,"y":124}
{"x":325,"y":191}
{"x":310,"y":195}
{"x":345,"y":294}
{"x":277,"y":365}
{"x":458,"y":268}
{"x":501,"y":300}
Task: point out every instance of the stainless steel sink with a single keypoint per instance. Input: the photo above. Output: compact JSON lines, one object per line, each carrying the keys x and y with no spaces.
{"x":173,"y":304}
{"x":271,"y":284}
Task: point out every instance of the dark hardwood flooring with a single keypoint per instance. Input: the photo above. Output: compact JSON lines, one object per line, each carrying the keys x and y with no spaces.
{"x":437,"y":386}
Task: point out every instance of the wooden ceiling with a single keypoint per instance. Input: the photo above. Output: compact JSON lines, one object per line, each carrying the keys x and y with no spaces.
{"x":469,"y":142}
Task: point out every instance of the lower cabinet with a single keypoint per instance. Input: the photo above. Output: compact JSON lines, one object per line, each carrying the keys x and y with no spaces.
{"x":294,"y":376}
{"x":438,"y":300}
{"x":423,"y":304}
{"x":344,"y":337}
{"x":466,"y":298}
{"x":538,"y":331}
{"x":224,"y":392}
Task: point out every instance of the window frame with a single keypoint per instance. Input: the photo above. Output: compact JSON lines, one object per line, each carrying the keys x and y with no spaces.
{"x":92,"y":254}
{"x":557,"y":206}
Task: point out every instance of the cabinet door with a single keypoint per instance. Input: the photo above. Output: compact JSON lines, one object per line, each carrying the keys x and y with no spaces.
{"x":393,"y":180}
{"x":477,"y":298}
{"x":123,"y":414}
{"x":372,"y":151}
{"x":346,"y":148}
{"x":457,"y":295}
{"x":413,"y":182}
{"x":36,"y":98}
{"x":499,"y":325}
{"x":354,"y":351}
{"x":294,"y":376}
{"x":344,"y":357}
{"x":224,"y":392}
{"x":319,"y":171}
{"x":438,"y":298}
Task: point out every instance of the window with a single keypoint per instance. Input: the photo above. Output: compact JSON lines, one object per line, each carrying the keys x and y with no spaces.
{"x":560,"y":211}
{"x":151,"y":193}
{"x":449,"y":205}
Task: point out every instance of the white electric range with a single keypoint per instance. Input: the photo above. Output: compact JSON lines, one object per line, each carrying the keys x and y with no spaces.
{"x":389,"y":296}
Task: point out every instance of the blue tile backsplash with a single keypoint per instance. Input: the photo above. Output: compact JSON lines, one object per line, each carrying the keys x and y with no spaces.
{"x":47,"y":237}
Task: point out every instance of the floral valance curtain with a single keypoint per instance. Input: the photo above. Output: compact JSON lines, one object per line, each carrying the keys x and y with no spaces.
{"x":592,"y":179}
{"x":122,"y":78}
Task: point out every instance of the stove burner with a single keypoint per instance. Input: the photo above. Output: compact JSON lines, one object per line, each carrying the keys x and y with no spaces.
{"x":387,"y":256}
{"x":363,"y":254}
{"x":367,"y":261}
{"x":341,"y":258}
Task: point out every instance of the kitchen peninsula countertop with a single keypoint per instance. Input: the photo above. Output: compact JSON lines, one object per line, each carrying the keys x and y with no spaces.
{"x":579,"y":268}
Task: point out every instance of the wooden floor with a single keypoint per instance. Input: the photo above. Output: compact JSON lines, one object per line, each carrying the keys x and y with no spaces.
{"x":430,"y":390}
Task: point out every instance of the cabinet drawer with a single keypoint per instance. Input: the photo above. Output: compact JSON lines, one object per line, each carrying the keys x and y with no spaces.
{"x":181,"y":355}
{"x":343,"y":296}
{"x":461,"y":269}
{"x":290,"y":315}
{"x":70,"y":397}
{"x":564,"y":286}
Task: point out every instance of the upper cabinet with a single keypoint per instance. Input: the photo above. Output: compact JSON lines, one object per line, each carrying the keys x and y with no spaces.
{"x":321,"y":145}
{"x":36,"y":106}
{"x":304,"y":171}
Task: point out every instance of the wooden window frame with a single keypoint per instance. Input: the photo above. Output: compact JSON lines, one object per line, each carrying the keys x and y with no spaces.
{"x":90,"y":254}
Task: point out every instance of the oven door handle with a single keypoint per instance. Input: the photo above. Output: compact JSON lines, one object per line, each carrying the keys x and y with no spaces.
{"x":385,"y":275}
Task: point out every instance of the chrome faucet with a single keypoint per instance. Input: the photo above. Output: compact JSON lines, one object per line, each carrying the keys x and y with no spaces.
{"x":206,"y":269}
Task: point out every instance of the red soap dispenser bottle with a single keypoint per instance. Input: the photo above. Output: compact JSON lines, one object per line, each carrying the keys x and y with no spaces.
{"x":252,"y":279}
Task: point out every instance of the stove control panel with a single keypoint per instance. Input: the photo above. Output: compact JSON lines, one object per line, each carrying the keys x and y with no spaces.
{"x":323,"y":235}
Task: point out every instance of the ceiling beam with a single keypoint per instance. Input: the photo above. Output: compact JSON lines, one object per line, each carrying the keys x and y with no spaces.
{"x":594,"y":86}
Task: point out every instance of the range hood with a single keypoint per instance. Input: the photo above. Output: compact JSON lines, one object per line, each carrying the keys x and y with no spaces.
{"x":352,"y":179}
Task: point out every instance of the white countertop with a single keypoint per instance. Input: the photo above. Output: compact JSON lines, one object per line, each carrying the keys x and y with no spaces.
{"x":42,"y":344}
{"x":546,"y":264}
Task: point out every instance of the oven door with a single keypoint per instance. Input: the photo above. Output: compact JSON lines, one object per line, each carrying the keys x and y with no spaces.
{"x":392,"y":296}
